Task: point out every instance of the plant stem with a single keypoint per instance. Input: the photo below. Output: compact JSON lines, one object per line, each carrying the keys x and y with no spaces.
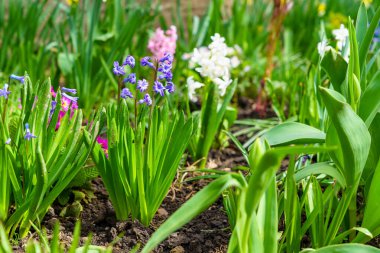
{"x":119,"y":83}
{"x":352,"y":216}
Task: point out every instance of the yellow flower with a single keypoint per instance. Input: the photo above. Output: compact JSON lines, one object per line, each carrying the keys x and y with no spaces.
{"x":367,"y":3}
{"x":335,"y":19}
{"x":321,"y":9}
{"x":71,"y":2}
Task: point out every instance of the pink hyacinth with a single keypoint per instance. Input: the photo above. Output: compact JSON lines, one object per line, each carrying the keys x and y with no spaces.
{"x":104,"y":144}
{"x":163,"y":42}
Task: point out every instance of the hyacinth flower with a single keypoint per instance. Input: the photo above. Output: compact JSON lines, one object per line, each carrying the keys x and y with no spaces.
{"x":21,"y":79}
{"x":212,"y":73}
{"x":104,"y":144}
{"x":28,"y":134}
{"x":68,"y":102}
{"x":4,"y":92}
{"x":35,"y":159}
{"x":140,"y":157}
{"x":162,"y":71}
{"x":163,"y":42}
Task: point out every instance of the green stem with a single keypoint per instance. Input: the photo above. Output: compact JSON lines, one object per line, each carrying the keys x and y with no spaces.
{"x":119,"y":83}
{"x":352,"y":216}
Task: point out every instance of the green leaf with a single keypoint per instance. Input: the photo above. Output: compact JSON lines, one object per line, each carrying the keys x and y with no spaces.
{"x":361,"y":23}
{"x":371,"y":218}
{"x":294,"y":133}
{"x":66,"y":63}
{"x":354,"y":138}
{"x":336,"y":68}
{"x":345,"y":248}
{"x":193,"y":207}
{"x":364,"y":47}
{"x":370,"y":102}
{"x":321,"y":168}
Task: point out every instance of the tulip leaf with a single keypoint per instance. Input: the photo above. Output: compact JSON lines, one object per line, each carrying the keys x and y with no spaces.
{"x":294,"y":133}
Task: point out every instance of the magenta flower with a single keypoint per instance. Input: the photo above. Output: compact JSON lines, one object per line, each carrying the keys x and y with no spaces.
{"x":103,"y":143}
{"x":163,"y":42}
{"x":52,"y":92}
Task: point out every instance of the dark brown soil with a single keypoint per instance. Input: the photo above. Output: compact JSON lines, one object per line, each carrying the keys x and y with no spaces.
{"x":209,"y":232}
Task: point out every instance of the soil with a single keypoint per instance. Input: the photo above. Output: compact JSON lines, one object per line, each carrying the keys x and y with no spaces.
{"x":209,"y":232}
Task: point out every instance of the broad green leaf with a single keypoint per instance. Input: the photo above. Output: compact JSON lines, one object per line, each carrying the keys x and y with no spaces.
{"x":370,"y":102}
{"x":336,"y":68}
{"x":354,"y":138}
{"x":294,"y":133}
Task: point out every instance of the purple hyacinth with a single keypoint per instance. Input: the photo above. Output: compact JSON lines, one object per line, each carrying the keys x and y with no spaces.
{"x":146,"y":62}
{"x":147,"y":100}
{"x":167,"y":57}
{"x":72,"y":91}
{"x":159,"y":88}
{"x":170,"y":87}
{"x":142,"y":85}
{"x":71,"y":98}
{"x":53,"y":106}
{"x":28,"y":134}
{"x":126,"y":93}
{"x":117,"y":69}
{"x":18,"y":78}
{"x":130,"y":79}
{"x":130,"y":61}
{"x":165,"y":67}
{"x":4,"y":92}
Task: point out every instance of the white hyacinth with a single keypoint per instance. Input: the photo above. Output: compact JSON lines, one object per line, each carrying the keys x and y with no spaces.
{"x":323,"y":47}
{"x":341,"y":36}
{"x":191,"y":87}
{"x":213,"y":62}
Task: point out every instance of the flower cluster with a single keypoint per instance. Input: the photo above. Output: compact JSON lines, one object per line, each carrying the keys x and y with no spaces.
{"x":163,"y":74}
{"x":162,"y":42}
{"x":67,"y":102}
{"x":341,"y":36}
{"x":213,"y":62}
